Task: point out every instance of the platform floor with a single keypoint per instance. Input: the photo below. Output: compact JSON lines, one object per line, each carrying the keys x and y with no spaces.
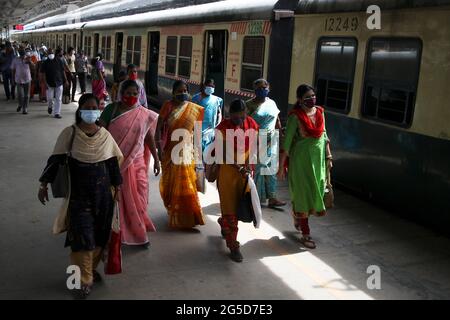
{"x":414,"y":261}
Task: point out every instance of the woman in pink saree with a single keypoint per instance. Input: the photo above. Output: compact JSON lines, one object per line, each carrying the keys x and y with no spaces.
{"x":133,"y":127}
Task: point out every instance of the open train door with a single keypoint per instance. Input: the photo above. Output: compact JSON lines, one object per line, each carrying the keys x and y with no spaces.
{"x":96,"y":44}
{"x":151,"y":74}
{"x":118,"y":55}
{"x":216,"y":59}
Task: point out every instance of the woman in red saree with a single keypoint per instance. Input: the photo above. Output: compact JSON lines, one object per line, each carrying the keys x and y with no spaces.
{"x":98,"y":77}
{"x":132,"y":126}
{"x":178,"y":181}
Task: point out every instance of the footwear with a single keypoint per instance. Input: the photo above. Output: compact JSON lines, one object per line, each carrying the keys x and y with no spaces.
{"x":73,"y":100}
{"x":49,"y":110}
{"x":97,"y":277}
{"x":146,"y":245}
{"x":57,"y":116}
{"x":275,"y":204}
{"x":19,"y":108}
{"x":84,"y":292}
{"x":25,"y":112}
{"x":307,"y":242}
{"x":236,"y":255}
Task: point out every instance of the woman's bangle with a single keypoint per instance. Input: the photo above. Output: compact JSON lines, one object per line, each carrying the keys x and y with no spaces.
{"x":330,"y":157}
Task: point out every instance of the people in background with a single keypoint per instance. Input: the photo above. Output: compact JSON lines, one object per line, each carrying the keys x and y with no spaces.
{"x":178,"y":181}
{"x":94,"y":169}
{"x":22,"y":68}
{"x":307,"y":145}
{"x":132,"y":126}
{"x":70,"y":59}
{"x":98,"y":77}
{"x":7,"y":56}
{"x":55,"y":77}
{"x":81,"y":68}
{"x":132,"y":71}
{"x":115,"y":88}
{"x":265,"y":112}
{"x":213,"y":106}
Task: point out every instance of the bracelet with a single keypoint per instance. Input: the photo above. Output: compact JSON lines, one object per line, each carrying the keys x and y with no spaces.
{"x":330,"y":157}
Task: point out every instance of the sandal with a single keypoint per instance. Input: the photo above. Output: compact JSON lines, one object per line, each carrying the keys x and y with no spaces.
{"x":276,"y":204}
{"x":307,"y":242}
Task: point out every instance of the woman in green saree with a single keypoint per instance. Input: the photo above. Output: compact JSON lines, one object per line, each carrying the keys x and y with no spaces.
{"x":307,"y":145}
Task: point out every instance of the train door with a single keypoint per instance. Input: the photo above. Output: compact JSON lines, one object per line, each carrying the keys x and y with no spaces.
{"x":74,"y":41}
{"x":118,"y":55}
{"x":96,"y":43}
{"x":215,"y":59}
{"x":64,"y":42}
{"x":151,"y":75}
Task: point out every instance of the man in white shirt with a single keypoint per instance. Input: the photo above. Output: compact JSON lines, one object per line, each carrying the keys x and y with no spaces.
{"x":70,"y":59}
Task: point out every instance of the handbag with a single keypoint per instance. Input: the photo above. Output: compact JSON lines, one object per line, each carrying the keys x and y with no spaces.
{"x":112,"y":257}
{"x":200,"y":182}
{"x":328,"y":197}
{"x":245,"y":212}
{"x":60,"y":186}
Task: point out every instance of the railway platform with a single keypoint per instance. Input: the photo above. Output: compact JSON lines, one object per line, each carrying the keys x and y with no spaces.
{"x":363,"y":252}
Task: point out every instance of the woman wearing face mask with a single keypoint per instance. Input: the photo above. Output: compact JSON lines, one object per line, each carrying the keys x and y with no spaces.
{"x":178,"y":181}
{"x":232,"y":176}
{"x":132,"y":126}
{"x":213,"y":106}
{"x":98,"y":77}
{"x":308,"y":147}
{"x":265,"y":112}
{"x":94,"y":168}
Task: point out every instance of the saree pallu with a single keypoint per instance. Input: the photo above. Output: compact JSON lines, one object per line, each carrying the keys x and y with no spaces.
{"x":99,"y":89}
{"x":178,"y":181}
{"x":129,"y":130}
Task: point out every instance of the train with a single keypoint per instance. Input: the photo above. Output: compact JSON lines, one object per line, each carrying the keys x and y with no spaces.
{"x":384,"y":89}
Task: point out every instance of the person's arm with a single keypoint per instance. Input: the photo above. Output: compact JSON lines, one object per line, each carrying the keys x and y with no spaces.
{"x":150,"y":142}
{"x":291,"y":130}
{"x":143,"y":95}
{"x":158,"y":135}
{"x":49,"y":175}
{"x":13,"y":70}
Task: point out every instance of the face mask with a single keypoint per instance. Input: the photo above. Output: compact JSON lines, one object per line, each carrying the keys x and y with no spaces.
{"x":209,"y":90}
{"x":311,"y":102}
{"x":237,"y":121}
{"x":133,"y":76}
{"x":51,"y":56}
{"x":90,"y":116}
{"x":28,"y":54}
{"x":129,"y":100}
{"x":44,"y":58}
{"x":262,"y":92}
{"x":182,"y":97}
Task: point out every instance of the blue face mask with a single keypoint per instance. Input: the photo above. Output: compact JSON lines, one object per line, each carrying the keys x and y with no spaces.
{"x":182,"y":97}
{"x":90,"y":116}
{"x":209,"y":90}
{"x":262,"y":92}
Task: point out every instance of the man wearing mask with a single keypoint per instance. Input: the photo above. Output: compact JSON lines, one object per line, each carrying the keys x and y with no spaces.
{"x":21,"y":74}
{"x":132,"y":71}
{"x":55,"y":77}
{"x":6,"y":58}
{"x":265,"y":112}
{"x":213,"y":106}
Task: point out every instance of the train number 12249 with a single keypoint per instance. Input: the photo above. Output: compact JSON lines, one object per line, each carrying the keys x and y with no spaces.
{"x":341,"y":24}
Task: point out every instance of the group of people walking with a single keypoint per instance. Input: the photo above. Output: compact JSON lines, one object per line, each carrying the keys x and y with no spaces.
{"x":108,"y":153}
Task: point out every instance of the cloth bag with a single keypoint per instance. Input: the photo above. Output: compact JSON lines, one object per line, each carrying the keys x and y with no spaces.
{"x":212,"y":172}
{"x":60,"y":186}
{"x":112,"y":257}
{"x":245,"y":211}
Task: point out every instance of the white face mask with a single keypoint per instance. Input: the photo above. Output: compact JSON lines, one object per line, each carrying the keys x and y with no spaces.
{"x":51,"y":56}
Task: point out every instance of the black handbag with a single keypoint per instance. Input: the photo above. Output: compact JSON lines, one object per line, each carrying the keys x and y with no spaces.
{"x":245,"y":211}
{"x":60,"y":186}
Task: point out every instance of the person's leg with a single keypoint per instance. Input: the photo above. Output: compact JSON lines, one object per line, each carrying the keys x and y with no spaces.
{"x":306,"y":233}
{"x":50,"y":98}
{"x":26,"y":97}
{"x":271,"y":187}
{"x":229,"y":226}
{"x":20,"y":96}
{"x":84,"y":260}
{"x":74,"y":85}
{"x":97,"y":257}
{"x":13,"y":86}
{"x":6,"y":81}
{"x":82,"y":79}
{"x":58,"y":101}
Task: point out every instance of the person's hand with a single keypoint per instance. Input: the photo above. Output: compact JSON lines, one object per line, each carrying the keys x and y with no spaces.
{"x":43,"y":194}
{"x":116,"y":193}
{"x":281,"y":173}
{"x":244,"y":171}
{"x":160,"y":154}
{"x":329,"y":163}
{"x":156,"y":168}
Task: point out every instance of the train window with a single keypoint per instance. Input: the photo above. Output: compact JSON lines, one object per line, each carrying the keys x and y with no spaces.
{"x":106,"y":47}
{"x":171,"y":55}
{"x":252,"y":61}
{"x":390,"y":84}
{"x":133,"y":50}
{"x":87,"y":45}
{"x":184,"y":58}
{"x":335,"y":66}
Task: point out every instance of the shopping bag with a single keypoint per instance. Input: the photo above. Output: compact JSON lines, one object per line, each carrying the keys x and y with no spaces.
{"x":113,"y":253}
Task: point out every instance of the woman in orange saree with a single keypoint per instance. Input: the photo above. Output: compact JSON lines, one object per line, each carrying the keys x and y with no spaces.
{"x":178,"y":181}
{"x":132,"y":126}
